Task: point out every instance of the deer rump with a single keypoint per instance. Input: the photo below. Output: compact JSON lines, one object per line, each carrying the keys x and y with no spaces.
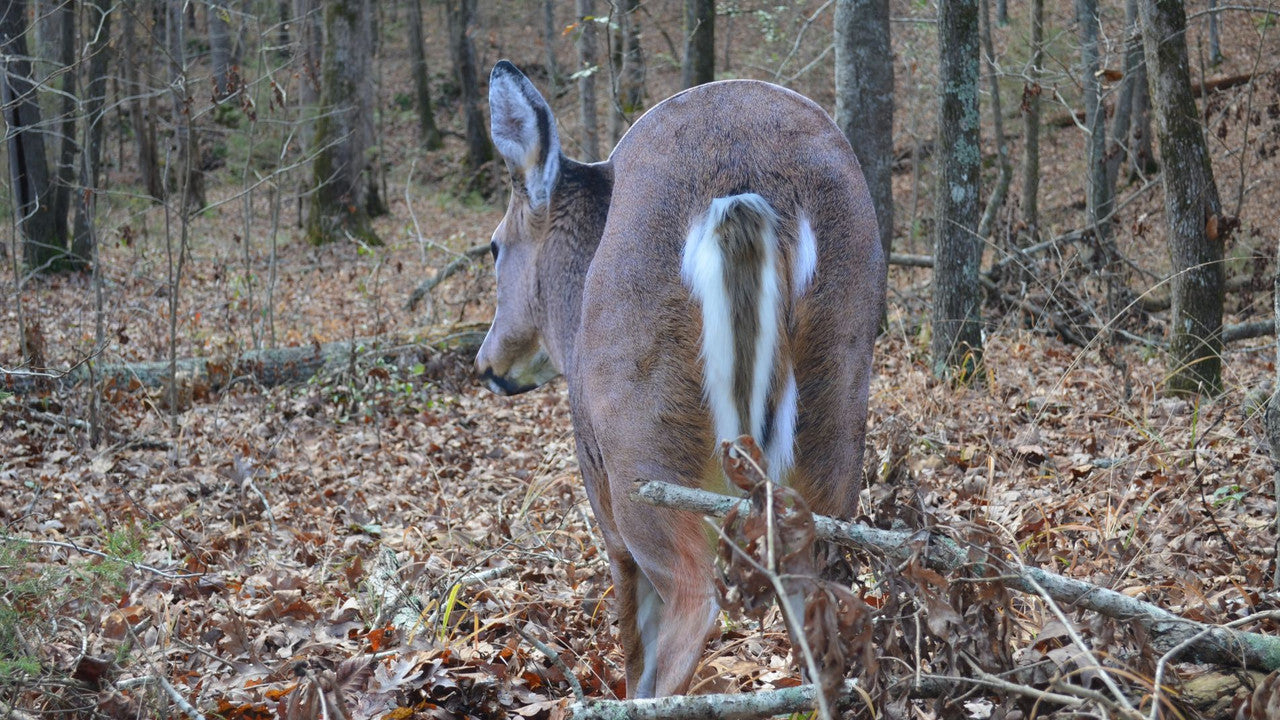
{"x":736,"y":288}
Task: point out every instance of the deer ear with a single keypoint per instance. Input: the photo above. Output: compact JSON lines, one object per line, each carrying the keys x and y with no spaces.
{"x":524,"y":130}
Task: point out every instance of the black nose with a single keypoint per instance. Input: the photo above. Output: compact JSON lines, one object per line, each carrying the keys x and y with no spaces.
{"x":503,"y":385}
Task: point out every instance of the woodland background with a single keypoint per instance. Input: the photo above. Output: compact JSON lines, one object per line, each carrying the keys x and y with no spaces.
{"x":240,"y":443}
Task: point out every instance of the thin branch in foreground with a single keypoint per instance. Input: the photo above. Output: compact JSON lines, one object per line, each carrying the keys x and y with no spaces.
{"x":1219,"y":645}
{"x":98,"y":553}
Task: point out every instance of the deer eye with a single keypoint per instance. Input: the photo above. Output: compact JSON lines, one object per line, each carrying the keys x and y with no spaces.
{"x":493,"y":248}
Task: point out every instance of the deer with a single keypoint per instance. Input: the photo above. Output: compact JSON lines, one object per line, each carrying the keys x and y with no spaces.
{"x":719,"y":275}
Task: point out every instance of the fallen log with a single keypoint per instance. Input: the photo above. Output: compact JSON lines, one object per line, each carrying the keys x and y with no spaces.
{"x":459,"y":263}
{"x":266,"y":368}
{"x":1170,"y":634}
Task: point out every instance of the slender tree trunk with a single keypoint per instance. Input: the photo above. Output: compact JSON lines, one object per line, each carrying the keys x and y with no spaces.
{"x":344,"y":129}
{"x":864,"y":98}
{"x":141,"y":103}
{"x":1002,"y":12}
{"x":549,"y":37}
{"x":631,"y":69}
{"x":186,"y":163}
{"x":461,"y":18}
{"x":220,"y":51}
{"x":1031,"y":125}
{"x":1197,"y":230}
{"x":1215,"y":44}
{"x":1142,"y":158}
{"x":99,"y":30}
{"x":1120,"y":125}
{"x":428,"y":133}
{"x":699,"y":42}
{"x":587,"y":68}
{"x":31,"y":187}
{"x":63,"y":22}
{"x":996,"y":200}
{"x":1100,"y":196}
{"x":957,"y":324}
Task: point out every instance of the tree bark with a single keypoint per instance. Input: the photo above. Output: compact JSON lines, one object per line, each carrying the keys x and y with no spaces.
{"x":428,"y":132}
{"x":461,"y":18}
{"x":1196,"y":228}
{"x":587,"y":69}
{"x":549,"y":36}
{"x":699,"y":42}
{"x":99,"y":31}
{"x":185,"y":169}
{"x":32,"y":189}
{"x":344,"y":130}
{"x":631,"y":70}
{"x":864,"y":98}
{"x":141,"y":102}
{"x":63,"y":22}
{"x":1215,"y":44}
{"x":1120,"y":126}
{"x":1100,"y":195}
{"x":1031,"y":125}
{"x":220,"y":51}
{"x":996,"y":199}
{"x":956,"y":345}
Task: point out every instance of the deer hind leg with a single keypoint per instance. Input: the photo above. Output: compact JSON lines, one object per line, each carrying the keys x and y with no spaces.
{"x":667,"y":601}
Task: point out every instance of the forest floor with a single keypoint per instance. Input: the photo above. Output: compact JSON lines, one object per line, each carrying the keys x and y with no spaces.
{"x":236,"y":552}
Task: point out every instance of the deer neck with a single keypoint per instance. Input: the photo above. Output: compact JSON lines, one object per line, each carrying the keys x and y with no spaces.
{"x":576,"y":220}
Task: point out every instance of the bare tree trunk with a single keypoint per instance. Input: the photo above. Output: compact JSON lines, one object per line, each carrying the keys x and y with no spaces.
{"x":428,"y":133}
{"x":1120,"y":125}
{"x":1197,"y":230}
{"x":1100,"y":196}
{"x":186,"y":162}
{"x":1142,"y":158}
{"x":864,"y":98}
{"x":996,"y":200}
{"x":220,"y":51}
{"x":99,"y":30}
{"x":1031,"y":125}
{"x":141,"y":103}
{"x":63,"y":22}
{"x":1002,"y":12}
{"x":631,"y":72}
{"x":699,"y":42}
{"x":956,"y":345}
{"x":461,"y":17}
{"x":587,"y":68}
{"x":344,"y":130}
{"x":549,"y":35}
{"x":1215,"y":44}
{"x":32,"y":190}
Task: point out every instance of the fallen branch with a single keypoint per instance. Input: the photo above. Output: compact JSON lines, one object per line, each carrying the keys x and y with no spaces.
{"x":1249,"y":330}
{"x":267,"y":368}
{"x":426,"y":286}
{"x":1203,"y":643}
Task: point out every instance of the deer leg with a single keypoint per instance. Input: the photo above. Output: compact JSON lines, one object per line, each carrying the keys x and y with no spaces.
{"x":667,"y":599}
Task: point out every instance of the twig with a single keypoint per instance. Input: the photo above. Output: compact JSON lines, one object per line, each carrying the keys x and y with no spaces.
{"x":555,"y":660}
{"x":442,"y":274}
{"x":12,"y":713}
{"x":99,"y":553}
{"x":169,"y":690}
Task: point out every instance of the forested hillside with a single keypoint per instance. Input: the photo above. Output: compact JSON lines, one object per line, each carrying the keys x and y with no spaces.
{"x":246,"y":470}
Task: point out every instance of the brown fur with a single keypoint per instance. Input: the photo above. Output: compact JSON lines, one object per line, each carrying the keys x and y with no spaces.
{"x":597,"y":284}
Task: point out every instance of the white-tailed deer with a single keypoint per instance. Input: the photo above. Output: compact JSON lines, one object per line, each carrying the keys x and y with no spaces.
{"x":719,"y":275}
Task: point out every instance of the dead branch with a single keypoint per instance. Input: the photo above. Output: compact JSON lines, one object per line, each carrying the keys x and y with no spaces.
{"x":267,"y":368}
{"x":463,"y":261}
{"x":1207,"y":643}
{"x":1249,"y":330}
